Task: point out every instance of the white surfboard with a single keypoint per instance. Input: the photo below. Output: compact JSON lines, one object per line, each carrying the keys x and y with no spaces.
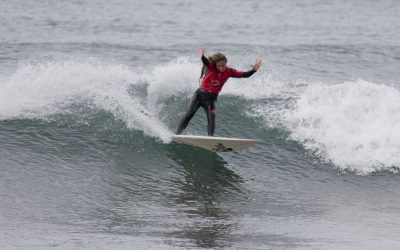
{"x":217,"y":144}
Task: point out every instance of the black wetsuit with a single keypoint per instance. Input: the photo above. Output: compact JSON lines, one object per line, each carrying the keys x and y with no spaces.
{"x":200,"y":99}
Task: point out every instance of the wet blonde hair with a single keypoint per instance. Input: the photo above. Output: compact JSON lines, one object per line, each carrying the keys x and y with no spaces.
{"x":214,"y":58}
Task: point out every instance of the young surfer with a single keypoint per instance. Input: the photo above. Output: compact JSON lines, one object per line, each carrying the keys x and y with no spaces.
{"x":214,"y":74}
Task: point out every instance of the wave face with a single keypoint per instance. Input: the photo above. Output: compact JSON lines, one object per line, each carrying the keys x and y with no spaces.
{"x":352,"y":125}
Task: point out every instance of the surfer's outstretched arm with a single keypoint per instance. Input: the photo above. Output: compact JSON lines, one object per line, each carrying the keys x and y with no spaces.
{"x":204,"y":59}
{"x":249,"y":73}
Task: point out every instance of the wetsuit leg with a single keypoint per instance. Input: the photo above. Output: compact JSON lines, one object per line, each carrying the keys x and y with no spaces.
{"x":193,"y":107}
{"x":210,"y":110}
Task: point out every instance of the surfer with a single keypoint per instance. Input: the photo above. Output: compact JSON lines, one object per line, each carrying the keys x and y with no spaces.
{"x":214,"y":74}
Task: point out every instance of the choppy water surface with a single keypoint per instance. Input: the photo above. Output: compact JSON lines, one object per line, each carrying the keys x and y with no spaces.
{"x":90,"y":93}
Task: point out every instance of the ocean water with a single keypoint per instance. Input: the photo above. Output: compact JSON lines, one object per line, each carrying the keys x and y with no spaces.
{"x":91,"y":92}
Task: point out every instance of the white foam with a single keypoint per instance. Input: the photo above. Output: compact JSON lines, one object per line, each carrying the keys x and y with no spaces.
{"x":354,"y":125}
{"x":37,"y":90}
{"x":175,"y":78}
{"x":260,"y":85}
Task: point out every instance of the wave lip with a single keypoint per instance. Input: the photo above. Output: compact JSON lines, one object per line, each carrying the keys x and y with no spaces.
{"x":354,"y":125}
{"x":37,"y":90}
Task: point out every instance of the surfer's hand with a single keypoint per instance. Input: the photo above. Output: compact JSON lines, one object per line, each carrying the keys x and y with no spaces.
{"x":257,"y":65}
{"x":202,"y":51}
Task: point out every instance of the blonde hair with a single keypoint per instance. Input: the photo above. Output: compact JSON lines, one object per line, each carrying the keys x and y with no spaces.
{"x":214,"y":58}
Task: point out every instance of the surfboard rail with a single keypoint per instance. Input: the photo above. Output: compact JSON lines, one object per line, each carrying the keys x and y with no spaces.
{"x":216,"y":144}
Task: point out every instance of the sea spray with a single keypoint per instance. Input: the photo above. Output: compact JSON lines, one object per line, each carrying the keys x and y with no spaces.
{"x":175,"y":78}
{"x":40,"y":89}
{"x":354,"y":125}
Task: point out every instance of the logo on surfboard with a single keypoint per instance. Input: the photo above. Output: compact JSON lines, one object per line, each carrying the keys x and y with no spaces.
{"x":219,"y":147}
